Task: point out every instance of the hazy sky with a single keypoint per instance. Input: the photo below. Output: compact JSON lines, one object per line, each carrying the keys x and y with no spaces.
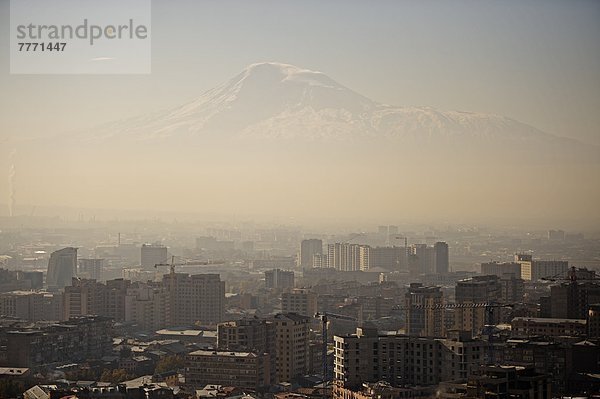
{"x":535,"y":61}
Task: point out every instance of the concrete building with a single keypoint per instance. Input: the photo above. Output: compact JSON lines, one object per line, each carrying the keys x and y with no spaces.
{"x":512,"y":288}
{"x":74,"y":340}
{"x":152,"y":254}
{"x":571,"y":300}
{"x":403,"y":360}
{"x":292,"y":338}
{"x":62,"y":267}
{"x":593,"y":320}
{"x":344,"y":256}
{"x":501,"y":268}
{"x":299,"y":300}
{"x":89,"y":297}
{"x":533,"y":270}
{"x":198,"y":298}
{"x":308,"y":249}
{"x":148,"y":306}
{"x":442,"y":260}
{"x":246,"y":370}
{"x":279,"y":279}
{"x":477,"y":289}
{"x":25,"y":305}
{"x":388,"y":258}
{"x":250,"y":335}
{"x":424,"y":315}
{"x":421,"y":259}
{"x":90,"y":268}
{"x":530,"y":326}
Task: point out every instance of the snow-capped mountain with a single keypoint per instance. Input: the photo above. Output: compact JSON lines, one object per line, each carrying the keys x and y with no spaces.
{"x":273,"y":100}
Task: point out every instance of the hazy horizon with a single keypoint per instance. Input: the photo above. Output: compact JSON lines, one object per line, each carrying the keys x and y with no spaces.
{"x":518,"y":67}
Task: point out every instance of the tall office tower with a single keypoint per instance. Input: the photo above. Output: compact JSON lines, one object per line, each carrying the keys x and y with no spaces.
{"x":91,"y":268}
{"x":478,"y":289}
{"x":198,"y":298}
{"x":344,"y":256}
{"x":301,"y":301}
{"x":292,"y":345}
{"x":151,"y":254}
{"x":392,"y":230}
{"x":533,"y":270}
{"x":308,"y":249}
{"x":278,"y":278}
{"x":424,"y":312}
{"x":422,"y":258}
{"x":62,"y":267}
{"x":250,"y":335}
{"x":442,"y":262}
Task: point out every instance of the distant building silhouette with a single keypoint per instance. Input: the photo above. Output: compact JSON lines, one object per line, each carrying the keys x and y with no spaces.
{"x":62,"y":267}
{"x":308,"y":249}
{"x":278,"y":278}
{"x":151,"y":254}
{"x":442,"y":262}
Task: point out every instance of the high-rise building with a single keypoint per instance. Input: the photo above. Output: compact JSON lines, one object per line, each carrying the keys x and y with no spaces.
{"x":91,"y":268}
{"x":84,"y":297}
{"x":152,"y":254}
{"x":477,"y":289}
{"x":512,"y":288}
{"x":424,"y":312}
{"x":403,"y":360}
{"x":147,"y":306}
{"x":572,"y":300}
{"x":344,"y":256}
{"x":442,"y":262}
{"x":299,"y":300}
{"x":62,"y":267}
{"x":533,"y":270}
{"x":250,"y":335}
{"x":501,"y":268}
{"x":89,"y":297}
{"x":76,"y":340}
{"x":292,"y":337}
{"x":198,"y":298}
{"x":308,"y":249}
{"x":388,"y":258}
{"x":278,"y":278}
{"x":25,"y":305}
{"x":421,"y":259}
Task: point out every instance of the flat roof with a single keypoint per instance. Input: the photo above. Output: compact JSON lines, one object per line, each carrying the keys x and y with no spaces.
{"x":221,"y":353}
{"x":549,"y":320}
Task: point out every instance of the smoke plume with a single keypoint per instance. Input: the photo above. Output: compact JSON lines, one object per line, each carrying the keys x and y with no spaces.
{"x":11,"y":183}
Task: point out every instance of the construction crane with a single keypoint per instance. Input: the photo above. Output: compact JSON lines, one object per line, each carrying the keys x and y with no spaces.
{"x":571,"y":276}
